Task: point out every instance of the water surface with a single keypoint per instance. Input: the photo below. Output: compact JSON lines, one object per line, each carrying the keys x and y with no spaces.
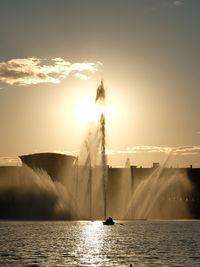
{"x":84,"y":243}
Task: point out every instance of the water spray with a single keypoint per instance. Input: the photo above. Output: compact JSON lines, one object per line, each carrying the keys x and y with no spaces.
{"x":100,"y":99}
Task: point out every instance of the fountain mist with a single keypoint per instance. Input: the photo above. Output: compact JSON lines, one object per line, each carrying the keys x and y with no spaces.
{"x":88,"y":189}
{"x":92,"y":163}
{"x":100,"y":98}
{"x":161,"y":195}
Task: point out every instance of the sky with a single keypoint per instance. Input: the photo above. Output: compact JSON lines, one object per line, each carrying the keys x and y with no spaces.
{"x":53,"y":54}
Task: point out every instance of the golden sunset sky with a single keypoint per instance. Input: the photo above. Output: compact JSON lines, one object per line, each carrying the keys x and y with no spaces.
{"x":53,"y":54}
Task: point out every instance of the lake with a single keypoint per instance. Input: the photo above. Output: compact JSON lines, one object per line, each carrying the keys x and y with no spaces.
{"x":86,"y":243}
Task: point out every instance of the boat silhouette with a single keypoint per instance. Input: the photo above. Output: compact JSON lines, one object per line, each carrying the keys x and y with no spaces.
{"x":109,"y":221}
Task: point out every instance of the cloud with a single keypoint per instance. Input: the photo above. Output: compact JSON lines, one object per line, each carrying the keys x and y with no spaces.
{"x":150,"y":149}
{"x":178,"y":151}
{"x":115,"y":152}
{"x":162,"y":4}
{"x":187,"y":150}
{"x":178,"y":3}
{"x":10,"y":161}
{"x":26,"y":71}
{"x":81,"y":76}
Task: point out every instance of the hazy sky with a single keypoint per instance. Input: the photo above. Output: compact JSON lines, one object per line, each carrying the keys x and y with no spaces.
{"x":54,"y":53}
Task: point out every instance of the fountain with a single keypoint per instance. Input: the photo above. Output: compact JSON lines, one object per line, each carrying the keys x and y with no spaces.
{"x":100,"y":98}
{"x":93,"y":165}
{"x":128,"y":193}
{"x":88,"y":189}
{"x":161,"y":195}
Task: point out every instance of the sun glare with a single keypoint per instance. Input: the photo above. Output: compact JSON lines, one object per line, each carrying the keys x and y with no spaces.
{"x":86,"y":110}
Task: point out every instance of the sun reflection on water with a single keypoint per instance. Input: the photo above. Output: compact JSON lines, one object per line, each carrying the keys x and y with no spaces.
{"x":91,"y":243}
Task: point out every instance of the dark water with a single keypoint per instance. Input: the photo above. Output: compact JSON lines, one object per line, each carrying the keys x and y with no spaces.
{"x":142,"y":243}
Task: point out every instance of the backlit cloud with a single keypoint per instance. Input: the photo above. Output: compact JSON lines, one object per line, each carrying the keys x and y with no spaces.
{"x":10,"y":161}
{"x":115,"y":152}
{"x":81,"y":76}
{"x":186,"y":150}
{"x":178,"y":2}
{"x":162,"y":4}
{"x":150,"y":149}
{"x":181,"y":150}
{"x":26,"y":71}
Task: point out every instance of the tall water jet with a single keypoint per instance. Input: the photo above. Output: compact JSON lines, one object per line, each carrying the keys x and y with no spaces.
{"x":85,"y":188}
{"x":92,"y":169}
{"x":100,"y":99}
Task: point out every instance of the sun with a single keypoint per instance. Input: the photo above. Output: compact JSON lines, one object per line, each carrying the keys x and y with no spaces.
{"x":86,"y":110}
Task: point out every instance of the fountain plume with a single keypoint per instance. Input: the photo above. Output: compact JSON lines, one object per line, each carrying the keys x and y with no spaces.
{"x":100,"y":99}
{"x":82,"y":190}
{"x":100,"y":94}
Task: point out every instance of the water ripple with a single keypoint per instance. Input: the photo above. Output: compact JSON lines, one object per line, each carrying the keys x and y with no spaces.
{"x":142,"y":243}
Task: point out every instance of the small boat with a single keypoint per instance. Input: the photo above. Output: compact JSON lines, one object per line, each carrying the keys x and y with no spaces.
{"x":109,"y":221}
